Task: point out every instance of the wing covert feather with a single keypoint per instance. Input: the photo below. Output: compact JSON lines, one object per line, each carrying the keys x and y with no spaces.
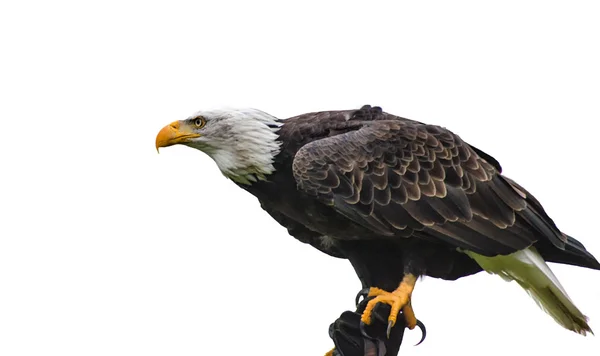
{"x":402,"y":178}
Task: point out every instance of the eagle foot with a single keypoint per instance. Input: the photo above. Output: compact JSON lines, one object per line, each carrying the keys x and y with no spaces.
{"x":399,"y":299}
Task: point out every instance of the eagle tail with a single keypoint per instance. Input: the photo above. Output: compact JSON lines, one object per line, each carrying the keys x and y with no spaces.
{"x":530,"y":271}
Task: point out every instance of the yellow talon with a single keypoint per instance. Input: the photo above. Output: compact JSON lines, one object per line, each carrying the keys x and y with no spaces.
{"x":398,"y":299}
{"x":330,"y":352}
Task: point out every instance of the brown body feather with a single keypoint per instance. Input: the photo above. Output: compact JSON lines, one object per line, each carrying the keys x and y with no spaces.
{"x":394,"y":195}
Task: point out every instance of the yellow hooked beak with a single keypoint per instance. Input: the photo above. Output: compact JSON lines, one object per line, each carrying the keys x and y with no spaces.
{"x":174,"y":133}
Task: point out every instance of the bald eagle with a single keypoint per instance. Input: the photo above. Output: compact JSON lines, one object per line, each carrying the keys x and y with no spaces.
{"x":398,"y":198}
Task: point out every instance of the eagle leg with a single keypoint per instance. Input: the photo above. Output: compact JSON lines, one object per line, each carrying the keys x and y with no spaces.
{"x":399,"y":299}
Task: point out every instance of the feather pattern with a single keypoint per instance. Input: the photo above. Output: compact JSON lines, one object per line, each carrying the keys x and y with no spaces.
{"x":394,"y":168}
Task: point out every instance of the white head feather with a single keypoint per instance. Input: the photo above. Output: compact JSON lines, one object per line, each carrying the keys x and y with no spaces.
{"x":243,"y":142}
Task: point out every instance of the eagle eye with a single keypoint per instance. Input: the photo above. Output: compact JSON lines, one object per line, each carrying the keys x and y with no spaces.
{"x":200,"y":122}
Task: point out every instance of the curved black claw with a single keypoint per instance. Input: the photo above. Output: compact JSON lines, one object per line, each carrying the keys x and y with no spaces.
{"x":423,"y":331}
{"x":389,"y":328}
{"x":363,"y":331}
{"x":363,"y":293}
{"x":419,"y":324}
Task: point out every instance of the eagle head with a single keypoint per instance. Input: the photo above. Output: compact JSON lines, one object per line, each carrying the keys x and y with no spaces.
{"x":242,"y":142}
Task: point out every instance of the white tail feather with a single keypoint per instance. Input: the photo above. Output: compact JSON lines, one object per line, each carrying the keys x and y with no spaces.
{"x":528,"y":268}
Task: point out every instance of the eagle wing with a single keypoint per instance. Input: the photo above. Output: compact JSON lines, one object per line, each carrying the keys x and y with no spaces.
{"x":401,"y":178}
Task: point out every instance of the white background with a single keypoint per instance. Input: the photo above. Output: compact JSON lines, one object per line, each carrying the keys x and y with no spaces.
{"x":107,"y":248}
